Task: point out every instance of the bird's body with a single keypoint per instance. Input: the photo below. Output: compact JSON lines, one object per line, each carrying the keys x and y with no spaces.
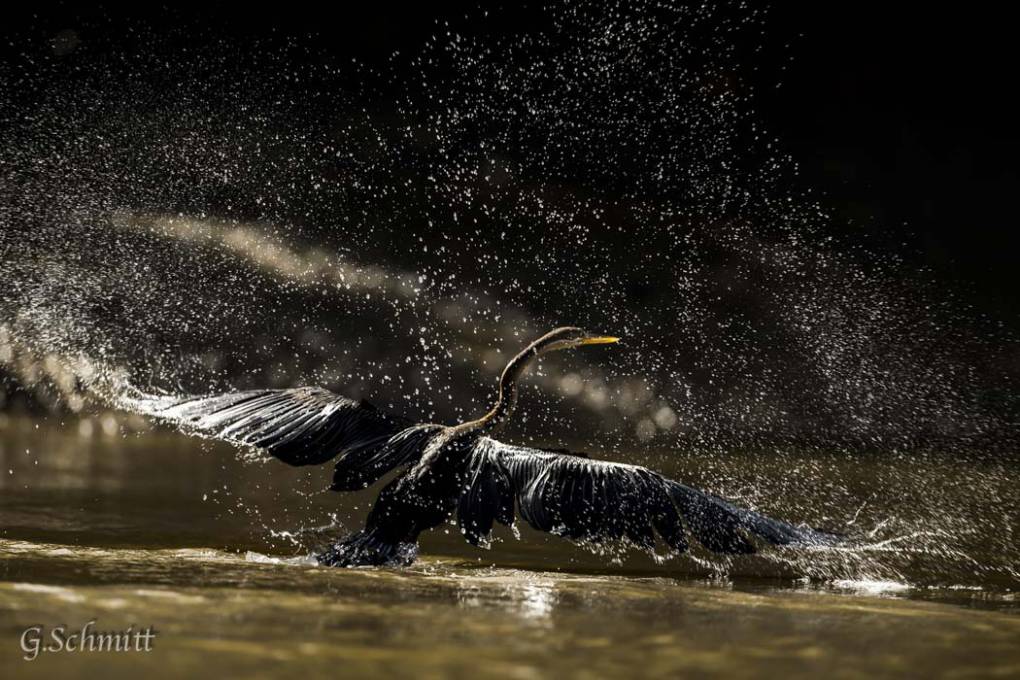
{"x":462,"y":470}
{"x":422,"y":498}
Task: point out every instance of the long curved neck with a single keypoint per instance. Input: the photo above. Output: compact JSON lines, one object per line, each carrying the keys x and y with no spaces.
{"x":495,"y":419}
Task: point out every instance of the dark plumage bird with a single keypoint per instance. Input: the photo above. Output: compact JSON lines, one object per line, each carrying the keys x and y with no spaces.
{"x":461,"y":469}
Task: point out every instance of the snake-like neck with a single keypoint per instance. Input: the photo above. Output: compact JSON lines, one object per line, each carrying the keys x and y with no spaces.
{"x":497,"y":418}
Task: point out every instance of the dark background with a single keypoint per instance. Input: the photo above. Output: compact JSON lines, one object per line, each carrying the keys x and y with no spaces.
{"x":902,"y":117}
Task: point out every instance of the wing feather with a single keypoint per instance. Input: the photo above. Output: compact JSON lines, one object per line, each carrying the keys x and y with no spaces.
{"x":300,"y":426}
{"x":486,"y":499}
{"x":584,"y":499}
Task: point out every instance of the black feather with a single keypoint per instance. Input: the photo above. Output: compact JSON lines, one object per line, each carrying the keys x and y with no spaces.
{"x":301,"y":426}
{"x":363,"y":464}
{"x":584,"y":499}
{"x":486,"y":498}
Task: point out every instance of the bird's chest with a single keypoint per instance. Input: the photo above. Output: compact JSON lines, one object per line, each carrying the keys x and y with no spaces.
{"x":427,"y":494}
{"x":443,"y":462}
{"x":451,"y":452}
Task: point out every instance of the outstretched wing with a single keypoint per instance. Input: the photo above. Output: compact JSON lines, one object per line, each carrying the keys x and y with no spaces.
{"x":301,"y":426}
{"x":594,"y":500}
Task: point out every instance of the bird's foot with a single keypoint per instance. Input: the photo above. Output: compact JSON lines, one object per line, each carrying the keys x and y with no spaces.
{"x":364,"y":549}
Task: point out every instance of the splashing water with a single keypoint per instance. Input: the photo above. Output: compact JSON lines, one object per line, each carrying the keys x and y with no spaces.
{"x":235,"y":216}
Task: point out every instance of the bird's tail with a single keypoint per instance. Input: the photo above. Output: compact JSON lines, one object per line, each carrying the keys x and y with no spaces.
{"x":368,"y":549}
{"x":722,"y":527}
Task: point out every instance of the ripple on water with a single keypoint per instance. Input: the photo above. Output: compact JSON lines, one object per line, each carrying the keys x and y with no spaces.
{"x":222,"y":612}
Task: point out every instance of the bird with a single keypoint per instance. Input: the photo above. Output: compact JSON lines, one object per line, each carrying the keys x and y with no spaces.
{"x":462,"y":470}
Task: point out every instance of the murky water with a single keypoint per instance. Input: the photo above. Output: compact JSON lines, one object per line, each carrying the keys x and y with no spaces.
{"x":160,"y":529}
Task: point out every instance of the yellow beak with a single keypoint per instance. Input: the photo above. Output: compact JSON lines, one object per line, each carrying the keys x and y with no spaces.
{"x":600,"y":340}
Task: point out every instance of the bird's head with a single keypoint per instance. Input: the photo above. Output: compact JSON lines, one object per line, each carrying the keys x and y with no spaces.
{"x":570,"y":337}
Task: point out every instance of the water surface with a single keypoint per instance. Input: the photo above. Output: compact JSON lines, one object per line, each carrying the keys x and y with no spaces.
{"x":165,"y":530}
